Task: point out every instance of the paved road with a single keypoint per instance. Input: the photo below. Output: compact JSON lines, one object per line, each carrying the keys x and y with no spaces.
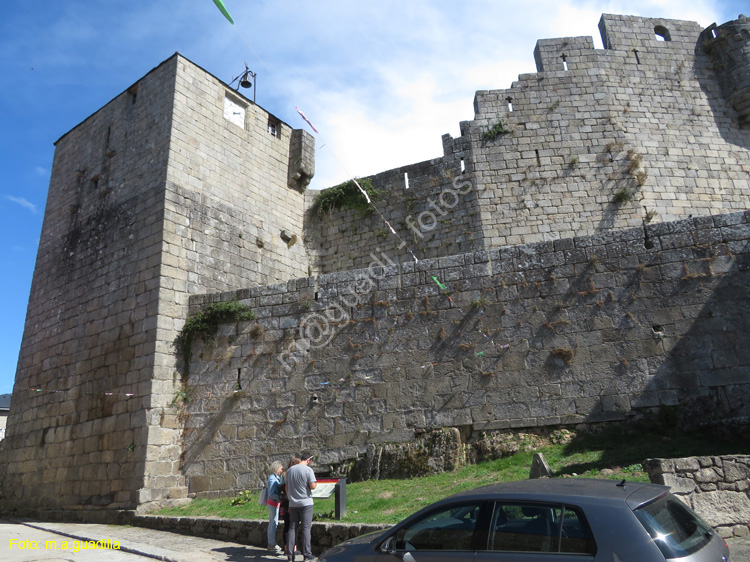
{"x":136,"y":544}
{"x":140,"y":544}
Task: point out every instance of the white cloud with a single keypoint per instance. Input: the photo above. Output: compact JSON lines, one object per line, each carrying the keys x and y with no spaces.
{"x":25,"y":203}
{"x":384,"y":107}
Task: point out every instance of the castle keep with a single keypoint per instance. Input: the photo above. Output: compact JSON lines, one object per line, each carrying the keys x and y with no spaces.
{"x":583,"y":258}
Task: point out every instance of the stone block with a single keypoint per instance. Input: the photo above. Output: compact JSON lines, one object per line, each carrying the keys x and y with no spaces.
{"x":686,"y":465}
{"x":735,"y":472}
{"x":723,"y":508}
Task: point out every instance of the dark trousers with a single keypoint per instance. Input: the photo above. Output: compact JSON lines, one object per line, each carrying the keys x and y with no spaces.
{"x":300,"y":517}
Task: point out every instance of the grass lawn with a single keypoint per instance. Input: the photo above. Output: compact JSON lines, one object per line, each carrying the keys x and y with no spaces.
{"x":616,"y":454}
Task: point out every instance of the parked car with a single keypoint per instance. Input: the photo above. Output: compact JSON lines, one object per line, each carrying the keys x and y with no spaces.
{"x":576,"y":519}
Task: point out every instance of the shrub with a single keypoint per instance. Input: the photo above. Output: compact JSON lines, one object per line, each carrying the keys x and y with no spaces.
{"x":498,"y":129}
{"x":206,"y":322}
{"x":623,"y":196}
{"x":347,"y":196}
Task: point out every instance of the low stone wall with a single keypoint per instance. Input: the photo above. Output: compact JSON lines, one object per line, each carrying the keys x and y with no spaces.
{"x":718,"y":488}
{"x":251,"y":532}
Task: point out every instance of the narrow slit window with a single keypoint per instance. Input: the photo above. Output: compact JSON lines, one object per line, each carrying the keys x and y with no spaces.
{"x":565,"y":62}
{"x":463,"y":166}
{"x":133,"y":92}
{"x":538,"y":160}
{"x":510,"y":104}
{"x":406,"y":180}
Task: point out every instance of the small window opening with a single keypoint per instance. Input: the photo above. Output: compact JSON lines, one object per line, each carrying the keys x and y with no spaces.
{"x":637,"y":58}
{"x":463,"y":166}
{"x":510,"y":103}
{"x":239,"y":383}
{"x":316,"y":295}
{"x":661,"y":33}
{"x":565,"y":61}
{"x":133,"y":91}
{"x":538,"y":160}
{"x":406,"y":180}
{"x":274,"y":127}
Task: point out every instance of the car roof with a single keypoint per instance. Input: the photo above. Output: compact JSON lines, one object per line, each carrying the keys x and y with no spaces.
{"x":568,"y":490}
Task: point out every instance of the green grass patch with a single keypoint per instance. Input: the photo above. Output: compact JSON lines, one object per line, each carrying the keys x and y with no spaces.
{"x":616,"y":453}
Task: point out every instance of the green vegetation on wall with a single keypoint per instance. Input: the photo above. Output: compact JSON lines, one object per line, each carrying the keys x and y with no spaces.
{"x":205,"y":323}
{"x":498,"y":129}
{"x":347,"y":196}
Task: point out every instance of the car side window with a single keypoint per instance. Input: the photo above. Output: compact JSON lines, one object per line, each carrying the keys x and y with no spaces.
{"x":576,"y":536}
{"x":538,"y":527}
{"x":450,"y":528}
{"x":525,"y":527}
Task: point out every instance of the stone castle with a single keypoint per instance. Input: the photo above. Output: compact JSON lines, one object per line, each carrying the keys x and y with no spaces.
{"x":578,"y":255}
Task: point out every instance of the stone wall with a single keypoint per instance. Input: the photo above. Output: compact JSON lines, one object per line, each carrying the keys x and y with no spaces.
{"x":729,"y":47}
{"x":584,"y":330}
{"x":642,"y":117}
{"x":228,"y":193}
{"x":597,"y":139}
{"x":76,"y":434}
{"x":252,"y":532}
{"x":716,"y":487}
{"x":435,"y":216}
{"x":162,"y":193}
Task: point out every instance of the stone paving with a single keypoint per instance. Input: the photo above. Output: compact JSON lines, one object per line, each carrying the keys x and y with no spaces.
{"x":158,"y":545}
{"x":172,"y":547}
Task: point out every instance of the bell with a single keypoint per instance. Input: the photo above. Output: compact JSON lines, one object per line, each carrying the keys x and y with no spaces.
{"x":245,"y":83}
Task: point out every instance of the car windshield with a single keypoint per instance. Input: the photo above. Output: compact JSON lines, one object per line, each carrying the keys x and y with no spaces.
{"x":675,"y":528}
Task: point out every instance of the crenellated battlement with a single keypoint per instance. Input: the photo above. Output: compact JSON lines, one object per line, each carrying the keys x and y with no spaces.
{"x":625,"y":33}
{"x":640,"y":131}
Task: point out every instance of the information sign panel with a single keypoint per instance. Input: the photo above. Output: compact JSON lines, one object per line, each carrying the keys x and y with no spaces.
{"x":325,"y":488}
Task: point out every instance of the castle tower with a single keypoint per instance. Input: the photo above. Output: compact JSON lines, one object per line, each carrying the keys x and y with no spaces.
{"x":729,"y":47}
{"x":162,"y":193}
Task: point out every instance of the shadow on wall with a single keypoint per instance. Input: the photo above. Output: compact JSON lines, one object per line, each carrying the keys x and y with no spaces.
{"x":707,"y":372}
{"x":696,"y":366}
{"x":205,"y":434}
{"x":721,"y":53}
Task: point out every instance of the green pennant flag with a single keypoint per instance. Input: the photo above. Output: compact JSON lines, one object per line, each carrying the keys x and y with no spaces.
{"x":443,"y":287}
{"x":220,"y":5}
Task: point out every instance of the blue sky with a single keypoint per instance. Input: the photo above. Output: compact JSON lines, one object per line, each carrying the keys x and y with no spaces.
{"x":381,"y":81}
